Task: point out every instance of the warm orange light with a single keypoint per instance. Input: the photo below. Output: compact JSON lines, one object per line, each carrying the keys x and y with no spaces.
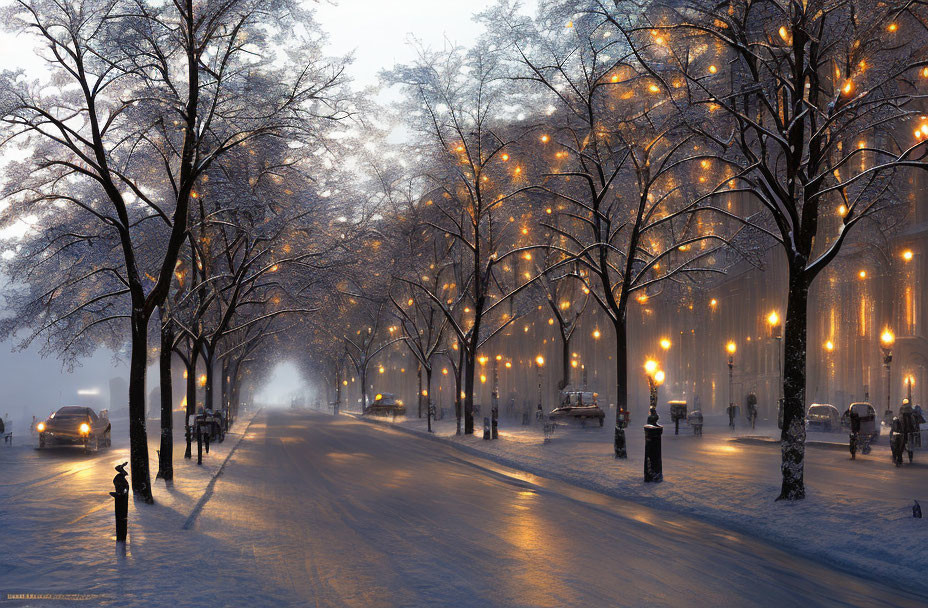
{"x":848,"y":87}
{"x":829,"y":346}
{"x":713,"y":69}
{"x":654,"y":88}
{"x":773,"y":318}
{"x":665,"y":343}
{"x":545,"y":139}
{"x":444,"y":371}
{"x":504,"y":157}
{"x":731,"y":347}
{"x":887,"y":338}
{"x":650,"y":366}
{"x":84,"y":428}
{"x":862,"y":274}
{"x":907,"y":255}
{"x":892,"y":27}
{"x":203,"y":380}
{"x":659,"y":377}
{"x":842,"y":210}
{"x":508,"y":364}
{"x":539,"y":360}
{"x":713,"y":303}
{"x":596,"y":334}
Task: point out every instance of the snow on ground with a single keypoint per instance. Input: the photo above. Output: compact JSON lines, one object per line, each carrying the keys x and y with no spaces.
{"x":57,"y":531}
{"x":857,"y":514}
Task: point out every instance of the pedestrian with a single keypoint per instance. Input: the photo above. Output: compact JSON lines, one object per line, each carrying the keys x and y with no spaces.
{"x":896,"y":440}
{"x":731,"y":415}
{"x":919,"y":417}
{"x":855,"y":432}
{"x":751,"y":408}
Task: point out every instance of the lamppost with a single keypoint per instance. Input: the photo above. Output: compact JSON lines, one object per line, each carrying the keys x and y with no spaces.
{"x":773,"y":320}
{"x":655,"y":378}
{"x":730,"y":348}
{"x":887,"y":339}
{"x":909,"y":383}
{"x":540,"y":363}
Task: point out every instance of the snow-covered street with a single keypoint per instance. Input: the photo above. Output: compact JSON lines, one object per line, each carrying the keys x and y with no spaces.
{"x":317,"y":510}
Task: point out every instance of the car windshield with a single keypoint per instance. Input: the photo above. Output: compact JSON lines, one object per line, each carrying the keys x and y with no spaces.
{"x":71,"y":410}
{"x":820,"y":410}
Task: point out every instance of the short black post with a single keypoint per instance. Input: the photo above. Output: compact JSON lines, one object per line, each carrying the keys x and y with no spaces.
{"x":676,"y":425}
{"x":206,"y":436}
{"x":486,"y":428}
{"x":199,"y":431}
{"x":494,"y":423}
{"x":619,"y":442}
{"x":122,"y":502}
{"x":653,"y":469}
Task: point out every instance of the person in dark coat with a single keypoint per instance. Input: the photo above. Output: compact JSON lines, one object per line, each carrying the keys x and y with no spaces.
{"x":750,"y":403}
{"x":652,"y":416}
{"x":855,"y":432}
{"x":896,"y":441}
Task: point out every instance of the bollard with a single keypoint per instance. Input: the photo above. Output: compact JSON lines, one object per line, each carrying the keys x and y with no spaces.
{"x":206,"y":437}
{"x":619,"y":443}
{"x":653,"y":469}
{"x":494,"y":423}
{"x":122,"y":502}
{"x":486,"y":428}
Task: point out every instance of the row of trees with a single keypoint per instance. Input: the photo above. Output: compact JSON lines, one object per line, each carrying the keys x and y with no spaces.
{"x":598,"y":154}
{"x":187,"y":159}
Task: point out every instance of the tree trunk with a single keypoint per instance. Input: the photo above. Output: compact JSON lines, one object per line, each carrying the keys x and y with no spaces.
{"x":565,"y":362}
{"x":362,"y":375}
{"x":621,"y":366}
{"x":138,"y":437}
{"x":166,"y":455}
{"x":338,"y":388}
{"x":208,"y":388}
{"x":469,"y":371}
{"x":793,"y":436}
{"x":419,"y":375}
{"x":191,"y":395}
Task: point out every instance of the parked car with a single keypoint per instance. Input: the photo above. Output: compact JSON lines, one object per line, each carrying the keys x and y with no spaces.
{"x":75,"y":425}
{"x":823,"y":417}
{"x":386,"y":404}
{"x":578,"y":405}
{"x":868,"y":423}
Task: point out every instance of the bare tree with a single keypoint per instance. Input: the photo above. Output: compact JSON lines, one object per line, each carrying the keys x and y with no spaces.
{"x":812,"y":106}
{"x":149,"y":95}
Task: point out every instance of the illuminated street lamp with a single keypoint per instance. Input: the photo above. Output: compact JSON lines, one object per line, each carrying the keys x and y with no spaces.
{"x":540,"y":363}
{"x":773,"y":320}
{"x":887,"y":339}
{"x":655,"y":379}
{"x":909,"y":383}
{"x":730,"y":348}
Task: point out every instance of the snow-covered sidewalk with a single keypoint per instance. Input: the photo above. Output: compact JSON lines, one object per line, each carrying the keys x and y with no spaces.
{"x":857,"y":515}
{"x":57,"y":526}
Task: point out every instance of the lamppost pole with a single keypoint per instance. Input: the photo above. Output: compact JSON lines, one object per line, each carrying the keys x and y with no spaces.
{"x":731,"y":348}
{"x":539,"y":363}
{"x":887,"y":339}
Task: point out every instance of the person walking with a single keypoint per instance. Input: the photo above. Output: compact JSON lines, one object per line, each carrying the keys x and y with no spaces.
{"x":731,"y":416}
{"x":750,"y":403}
{"x":854,"y":418}
{"x":896,"y":440}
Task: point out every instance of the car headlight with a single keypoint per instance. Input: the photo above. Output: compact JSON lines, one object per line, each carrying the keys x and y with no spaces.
{"x":84,"y":428}
{"x":40,"y":427}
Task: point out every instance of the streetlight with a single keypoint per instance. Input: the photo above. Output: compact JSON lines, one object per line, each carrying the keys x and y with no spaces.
{"x":909,"y":383}
{"x":887,"y":339}
{"x":773,"y":320}
{"x":731,"y":347}
{"x":655,"y":378}
{"x":540,"y":363}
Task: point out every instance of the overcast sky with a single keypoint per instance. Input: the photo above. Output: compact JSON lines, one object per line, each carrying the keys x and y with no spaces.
{"x":377,"y":31}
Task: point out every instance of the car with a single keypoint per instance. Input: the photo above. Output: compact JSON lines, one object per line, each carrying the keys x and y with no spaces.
{"x":868,"y":424}
{"x":823,"y":417}
{"x":386,"y":404}
{"x":577,"y":405}
{"x":75,"y":425}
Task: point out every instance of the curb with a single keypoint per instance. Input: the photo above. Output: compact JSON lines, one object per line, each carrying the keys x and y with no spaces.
{"x":208,"y":492}
{"x":827,"y":445}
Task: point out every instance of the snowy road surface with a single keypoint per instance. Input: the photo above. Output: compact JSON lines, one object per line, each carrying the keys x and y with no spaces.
{"x":339,"y":512}
{"x":322,"y":511}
